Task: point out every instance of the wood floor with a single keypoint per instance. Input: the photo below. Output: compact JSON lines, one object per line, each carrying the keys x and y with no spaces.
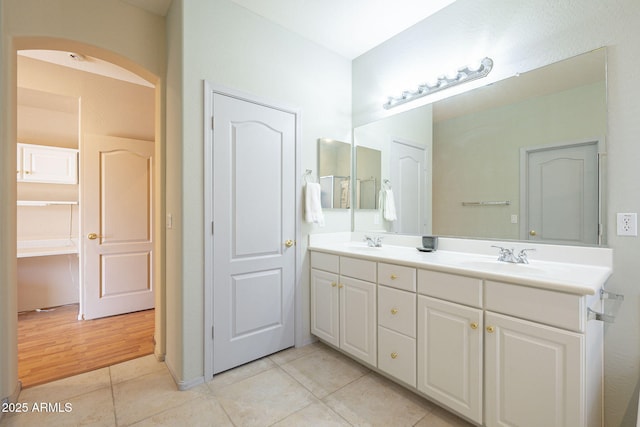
{"x":54,"y":344}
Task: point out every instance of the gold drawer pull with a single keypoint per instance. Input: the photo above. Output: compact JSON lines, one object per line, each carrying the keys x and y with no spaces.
{"x":334,"y":284}
{"x":394,"y":311}
{"x":474,"y":325}
{"x":490,"y":329}
{"x":394,"y":277}
{"x":394,"y":355}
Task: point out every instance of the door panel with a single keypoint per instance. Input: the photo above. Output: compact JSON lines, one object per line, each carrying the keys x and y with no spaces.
{"x":408,"y":176}
{"x":562,"y":194}
{"x":253,"y":205}
{"x":117,"y":202}
{"x":257,"y":302}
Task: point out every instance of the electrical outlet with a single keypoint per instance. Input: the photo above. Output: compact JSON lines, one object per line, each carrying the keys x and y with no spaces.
{"x":627,"y":224}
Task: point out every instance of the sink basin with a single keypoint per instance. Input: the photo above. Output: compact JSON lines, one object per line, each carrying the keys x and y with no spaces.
{"x":361,"y":246}
{"x":503,"y":267}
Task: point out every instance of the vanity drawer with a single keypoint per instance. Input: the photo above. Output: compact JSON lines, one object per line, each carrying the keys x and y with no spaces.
{"x":358,"y":268}
{"x":558,"y":309}
{"x":397,"y":276}
{"x":397,"y":355}
{"x":326,"y":262}
{"x":397,"y":310}
{"x":451,"y":287}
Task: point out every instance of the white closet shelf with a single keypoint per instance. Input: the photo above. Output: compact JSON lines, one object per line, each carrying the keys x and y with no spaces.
{"x":33,"y":248}
{"x":45,"y":202}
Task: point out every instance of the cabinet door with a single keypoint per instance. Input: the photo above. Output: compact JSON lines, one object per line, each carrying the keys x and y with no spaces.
{"x":358,"y":319}
{"x":324,"y":306}
{"x":48,"y":164}
{"x":534,"y":374}
{"x":450,"y":355}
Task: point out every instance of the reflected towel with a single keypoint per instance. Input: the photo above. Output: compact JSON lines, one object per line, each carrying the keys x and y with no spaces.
{"x":387,"y":204}
{"x":344,"y":194}
{"x":312,"y":206}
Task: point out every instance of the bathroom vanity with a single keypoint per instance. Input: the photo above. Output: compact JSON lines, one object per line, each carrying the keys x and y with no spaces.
{"x":497,"y":343}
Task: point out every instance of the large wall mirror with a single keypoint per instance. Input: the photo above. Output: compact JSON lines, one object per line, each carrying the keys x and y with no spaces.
{"x":516,"y":160}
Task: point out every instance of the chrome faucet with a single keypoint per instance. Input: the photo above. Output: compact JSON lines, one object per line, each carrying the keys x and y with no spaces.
{"x":508,"y":255}
{"x":373,"y":242}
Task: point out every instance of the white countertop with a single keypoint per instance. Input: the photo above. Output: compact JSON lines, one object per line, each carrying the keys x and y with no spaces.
{"x":572,"y":277}
{"x":46,"y":247}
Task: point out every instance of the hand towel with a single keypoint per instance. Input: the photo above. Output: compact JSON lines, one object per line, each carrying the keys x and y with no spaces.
{"x":387,"y":204}
{"x":312,"y":206}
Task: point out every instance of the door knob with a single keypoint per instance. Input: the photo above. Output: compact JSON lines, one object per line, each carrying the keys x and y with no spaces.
{"x":92,"y":236}
{"x":288,"y":243}
{"x":532,"y":233}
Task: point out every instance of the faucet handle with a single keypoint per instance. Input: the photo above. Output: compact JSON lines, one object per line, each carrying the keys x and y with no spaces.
{"x":502,"y":250}
{"x":522,"y":256}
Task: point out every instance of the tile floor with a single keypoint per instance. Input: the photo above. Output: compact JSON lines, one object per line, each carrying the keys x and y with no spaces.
{"x":309,"y":386}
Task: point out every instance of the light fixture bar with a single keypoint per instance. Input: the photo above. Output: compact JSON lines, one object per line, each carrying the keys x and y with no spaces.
{"x":465,"y":74}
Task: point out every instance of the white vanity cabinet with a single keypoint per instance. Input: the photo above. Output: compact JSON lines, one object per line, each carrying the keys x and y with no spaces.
{"x":45,"y":164}
{"x":397,"y":322}
{"x":343,"y":304}
{"x":497,"y":353}
{"x":535,"y":374}
{"x":450,"y":352}
{"x":543,"y":358}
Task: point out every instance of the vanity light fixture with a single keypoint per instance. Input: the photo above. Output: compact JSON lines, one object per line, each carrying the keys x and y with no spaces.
{"x":463,"y":75}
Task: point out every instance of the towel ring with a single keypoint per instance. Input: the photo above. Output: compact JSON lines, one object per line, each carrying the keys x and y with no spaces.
{"x":307,"y":176}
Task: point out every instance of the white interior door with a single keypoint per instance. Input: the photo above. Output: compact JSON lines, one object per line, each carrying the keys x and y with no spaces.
{"x":117,"y":226}
{"x":561,"y":194}
{"x":408,"y":178}
{"x":253,"y":205}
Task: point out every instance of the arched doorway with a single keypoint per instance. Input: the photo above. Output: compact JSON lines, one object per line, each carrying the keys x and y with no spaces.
{"x":86,"y":127}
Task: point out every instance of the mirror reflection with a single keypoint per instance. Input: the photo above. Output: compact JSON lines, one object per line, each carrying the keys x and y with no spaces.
{"x":368,"y":181}
{"x":516,"y":160}
{"x":334,"y":172}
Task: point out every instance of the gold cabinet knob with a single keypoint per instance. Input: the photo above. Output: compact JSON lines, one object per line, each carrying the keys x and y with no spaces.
{"x":394,"y":311}
{"x":491,"y":329}
{"x":340,"y":286}
{"x":334,"y":284}
{"x":394,"y":355}
{"x":289,"y":243}
{"x":93,"y":236}
{"x":474,"y":325}
{"x":532,"y":233}
{"x":394,"y":277}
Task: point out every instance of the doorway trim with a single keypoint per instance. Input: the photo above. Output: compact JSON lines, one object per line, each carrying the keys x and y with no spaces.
{"x":524,"y":173}
{"x":208,"y":89}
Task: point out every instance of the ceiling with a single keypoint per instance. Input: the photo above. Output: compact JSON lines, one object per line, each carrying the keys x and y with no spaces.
{"x":347,"y":27}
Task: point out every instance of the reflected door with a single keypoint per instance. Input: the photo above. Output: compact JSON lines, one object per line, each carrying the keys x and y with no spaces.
{"x":253,"y":205}
{"x":117,"y":212}
{"x":561,"y":194}
{"x":408,"y":178}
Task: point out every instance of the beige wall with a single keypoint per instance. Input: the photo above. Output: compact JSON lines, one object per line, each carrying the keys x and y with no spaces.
{"x":111,"y":30}
{"x":521,"y":36}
